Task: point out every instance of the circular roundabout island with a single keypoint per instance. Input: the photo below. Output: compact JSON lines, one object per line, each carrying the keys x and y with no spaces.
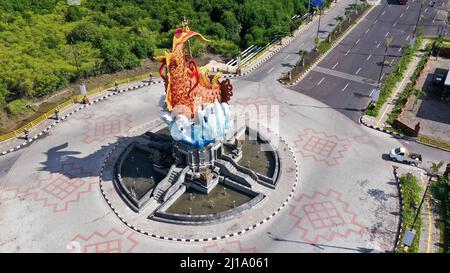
{"x":166,"y":189}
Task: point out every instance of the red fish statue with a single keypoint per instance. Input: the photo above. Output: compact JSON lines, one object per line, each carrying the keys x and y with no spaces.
{"x":189,"y":87}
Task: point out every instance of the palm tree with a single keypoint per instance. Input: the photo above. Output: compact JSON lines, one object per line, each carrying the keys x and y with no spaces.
{"x":339,"y":19}
{"x":434,"y":168}
{"x":316,"y":42}
{"x":303,"y":53}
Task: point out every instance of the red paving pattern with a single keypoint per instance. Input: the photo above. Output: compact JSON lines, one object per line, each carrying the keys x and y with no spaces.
{"x":57,"y":190}
{"x":323,"y":217}
{"x":112,"y":241}
{"x":102,"y":128}
{"x":228,"y":246}
{"x":60,"y":189}
{"x":319,"y":146}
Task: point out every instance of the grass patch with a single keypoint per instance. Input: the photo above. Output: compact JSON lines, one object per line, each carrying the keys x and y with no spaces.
{"x":433,"y":141}
{"x":323,"y":47}
{"x":411,"y":194}
{"x":17,"y":106}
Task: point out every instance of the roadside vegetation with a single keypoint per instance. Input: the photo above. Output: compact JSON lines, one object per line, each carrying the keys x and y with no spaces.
{"x":45,"y":45}
{"x":409,"y":89}
{"x":411,"y":194}
{"x":393,"y":78}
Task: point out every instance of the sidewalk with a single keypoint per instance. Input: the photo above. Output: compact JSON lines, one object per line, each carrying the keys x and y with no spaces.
{"x":430,"y":234}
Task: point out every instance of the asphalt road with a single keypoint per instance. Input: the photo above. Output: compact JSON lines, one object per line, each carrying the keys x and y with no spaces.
{"x":345,"y":78}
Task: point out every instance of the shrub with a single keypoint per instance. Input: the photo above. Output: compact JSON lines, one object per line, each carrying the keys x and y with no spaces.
{"x":17,"y":106}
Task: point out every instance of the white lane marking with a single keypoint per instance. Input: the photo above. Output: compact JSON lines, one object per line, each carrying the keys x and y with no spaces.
{"x":407,"y":7}
{"x":368,"y":58}
{"x":321,"y":81}
{"x":425,"y":11}
{"x":367,"y":30}
{"x":270,"y":70}
{"x":357,"y":71}
{"x":394,"y":24}
{"x":334,"y":66}
{"x":370,"y":95}
{"x":382,"y":76}
{"x":378,"y":44}
{"x":376,"y":21}
{"x":345,"y":87}
{"x":434,"y":19}
{"x":401,"y":15}
{"x":286,"y":57}
{"x":400,"y":49}
{"x":384,"y":12}
{"x":386,"y":34}
{"x":358,"y":41}
{"x":347,"y":52}
{"x":407,"y":38}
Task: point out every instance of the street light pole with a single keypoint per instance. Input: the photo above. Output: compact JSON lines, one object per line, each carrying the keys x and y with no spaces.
{"x":418,"y":17}
{"x":318,"y":25}
{"x":386,"y":46}
{"x":309,"y":10}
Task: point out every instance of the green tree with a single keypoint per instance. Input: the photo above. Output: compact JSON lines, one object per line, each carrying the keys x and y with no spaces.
{"x":303,"y":53}
{"x":85,"y":32}
{"x":116,"y":55}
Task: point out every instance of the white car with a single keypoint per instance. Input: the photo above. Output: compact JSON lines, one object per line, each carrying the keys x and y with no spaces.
{"x":404,"y":155}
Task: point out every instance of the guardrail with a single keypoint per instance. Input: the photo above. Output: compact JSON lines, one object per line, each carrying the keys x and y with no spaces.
{"x":62,"y":106}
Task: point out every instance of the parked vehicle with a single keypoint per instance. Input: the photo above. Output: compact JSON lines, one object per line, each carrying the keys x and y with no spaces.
{"x":439,"y":78}
{"x":402,"y":154}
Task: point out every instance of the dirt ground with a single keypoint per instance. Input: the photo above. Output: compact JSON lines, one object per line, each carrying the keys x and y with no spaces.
{"x":9,"y":123}
{"x":430,"y":110}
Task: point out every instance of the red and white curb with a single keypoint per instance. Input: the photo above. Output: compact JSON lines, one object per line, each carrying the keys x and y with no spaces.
{"x":157,"y":236}
{"x":381,"y":129}
{"x":400,"y":228}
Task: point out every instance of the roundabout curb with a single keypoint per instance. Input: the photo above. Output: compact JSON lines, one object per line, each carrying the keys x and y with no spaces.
{"x":196,"y":240}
